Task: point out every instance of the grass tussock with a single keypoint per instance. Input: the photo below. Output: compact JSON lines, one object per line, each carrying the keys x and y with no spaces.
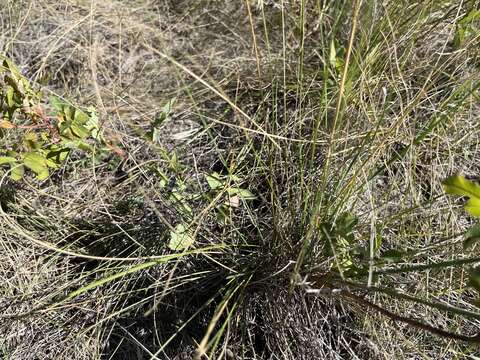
{"x":302,"y":157}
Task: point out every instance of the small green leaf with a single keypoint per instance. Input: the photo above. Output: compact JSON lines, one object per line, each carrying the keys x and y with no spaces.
{"x":93,"y":124}
{"x":79,"y":130}
{"x":17,"y":172}
{"x":244,"y":194}
{"x":68,"y":111}
{"x":12,"y":68}
{"x":31,"y":141}
{"x":174,"y":162}
{"x":167,"y":108}
{"x":471,"y":237}
{"x":37,"y":163}
{"x":214,"y":181}
{"x":332,"y":58}
{"x":80,"y":117}
{"x":154,"y":135}
{"x":458,"y":185}
{"x":82,"y":145}
{"x":7,"y":160}
{"x":52,"y":164}
{"x":163,"y":183}
{"x":473,"y":207}
{"x":180,"y":238}
{"x":58,"y":155}
{"x":222,"y":215}
{"x":66,"y":132}
{"x":184,"y":208}
{"x":78,"y":126}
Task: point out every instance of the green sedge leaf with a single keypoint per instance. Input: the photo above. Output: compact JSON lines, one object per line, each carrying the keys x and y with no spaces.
{"x":180,"y":238}
{"x":471,"y":237}
{"x":467,"y":27}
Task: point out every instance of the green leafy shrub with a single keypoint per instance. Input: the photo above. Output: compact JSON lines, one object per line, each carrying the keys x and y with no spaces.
{"x":37,"y":136}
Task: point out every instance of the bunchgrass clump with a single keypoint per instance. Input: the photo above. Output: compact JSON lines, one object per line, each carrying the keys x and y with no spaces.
{"x":267,"y":183}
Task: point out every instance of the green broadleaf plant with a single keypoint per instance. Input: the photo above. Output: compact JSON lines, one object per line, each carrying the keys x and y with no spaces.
{"x":36,"y":135}
{"x":459,"y":185}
